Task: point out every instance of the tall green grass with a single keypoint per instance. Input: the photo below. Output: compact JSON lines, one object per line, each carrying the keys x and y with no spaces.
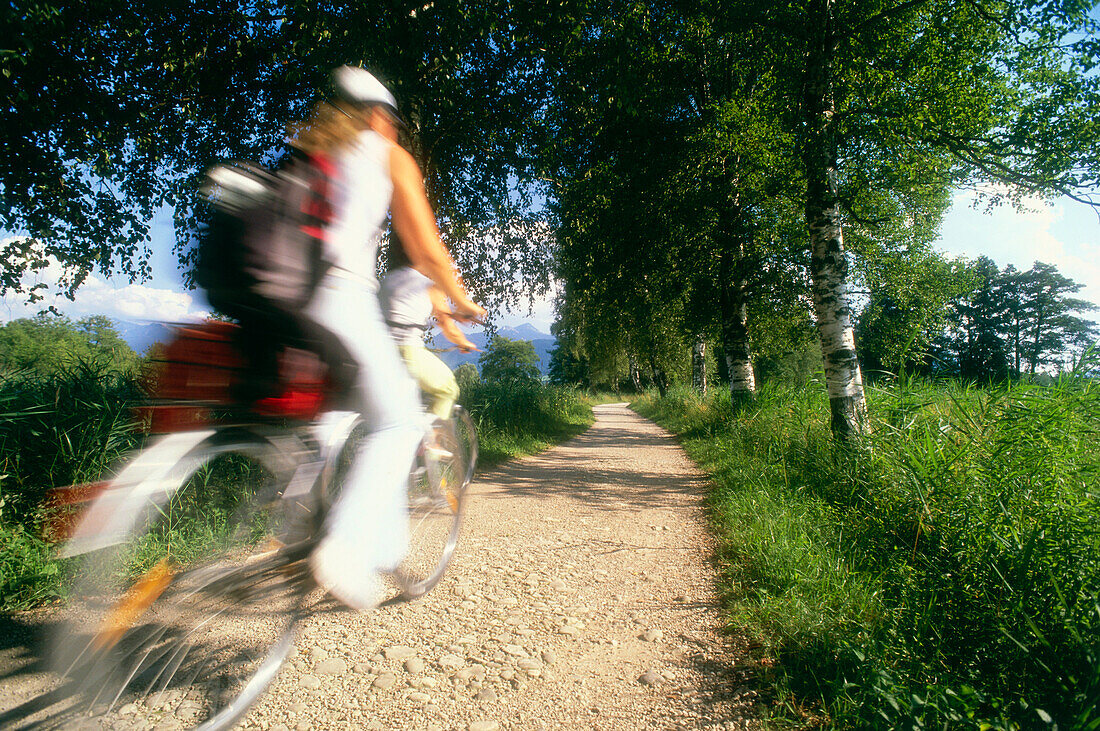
{"x":521,"y":417}
{"x":58,"y":429}
{"x":948,"y":576}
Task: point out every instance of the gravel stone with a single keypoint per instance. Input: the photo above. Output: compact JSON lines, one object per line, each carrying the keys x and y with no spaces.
{"x":484,"y":726}
{"x":487,"y":695}
{"x":309,"y":682}
{"x":451,"y":662}
{"x":385,"y":681}
{"x":332,"y":666}
{"x":414,"y":665}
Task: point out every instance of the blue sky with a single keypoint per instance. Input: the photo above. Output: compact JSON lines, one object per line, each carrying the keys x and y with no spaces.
{"x":1063,"y":233}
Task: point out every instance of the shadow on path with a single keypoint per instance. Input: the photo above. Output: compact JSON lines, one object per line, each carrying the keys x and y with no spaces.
{"x":600,"y":468}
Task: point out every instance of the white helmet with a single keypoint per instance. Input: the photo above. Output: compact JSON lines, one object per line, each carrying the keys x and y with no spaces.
{"x":359,"y":86}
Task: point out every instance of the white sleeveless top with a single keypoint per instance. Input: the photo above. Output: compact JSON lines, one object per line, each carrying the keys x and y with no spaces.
{"x":406,"y":305}
{"x":361,"y":202}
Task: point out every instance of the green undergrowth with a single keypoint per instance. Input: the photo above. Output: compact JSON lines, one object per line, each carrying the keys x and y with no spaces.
{"x":945,"y":574}
{"x":523,"y":417}
{"x":69,"y":427}
{"x":57,"y":429}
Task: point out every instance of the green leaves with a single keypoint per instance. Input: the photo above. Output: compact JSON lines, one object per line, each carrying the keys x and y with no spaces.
{"x":112,"y":110}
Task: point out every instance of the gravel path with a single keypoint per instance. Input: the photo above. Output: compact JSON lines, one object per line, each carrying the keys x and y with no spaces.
{"x":581,"y":596}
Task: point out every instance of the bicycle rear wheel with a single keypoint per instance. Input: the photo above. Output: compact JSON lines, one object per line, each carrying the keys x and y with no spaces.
{"x":437,"y":500}
{"x":192,"y":614}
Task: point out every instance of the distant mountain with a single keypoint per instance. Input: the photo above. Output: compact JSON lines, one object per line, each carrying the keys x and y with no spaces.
{"x":543,"y":343}
{"x":140,"y":335}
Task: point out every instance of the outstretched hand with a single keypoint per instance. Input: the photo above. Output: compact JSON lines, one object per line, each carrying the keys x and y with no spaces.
{"x":468,"y":311}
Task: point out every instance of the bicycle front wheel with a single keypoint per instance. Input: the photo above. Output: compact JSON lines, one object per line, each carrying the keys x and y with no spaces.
{"x":437,"y":500}
{"x":191,"y":615}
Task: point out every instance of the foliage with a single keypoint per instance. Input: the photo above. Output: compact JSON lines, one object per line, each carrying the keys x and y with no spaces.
{"x":949,"y":577}
{"x":567,"y":369}
{"x":113,"y":110}
{"x":29,"y":574}
{"x":507,"y":360}
{"x":466,"y":376}
{"x":907,"y":307}
{"x":521,"y":416}
{"x":49,"y":343}
{"x":1010,"y":323}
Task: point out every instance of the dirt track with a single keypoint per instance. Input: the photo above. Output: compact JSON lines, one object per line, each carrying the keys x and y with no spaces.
{"x":581,"y":596}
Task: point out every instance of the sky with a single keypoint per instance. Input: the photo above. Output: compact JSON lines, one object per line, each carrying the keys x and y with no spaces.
{"x":1063,"y":233}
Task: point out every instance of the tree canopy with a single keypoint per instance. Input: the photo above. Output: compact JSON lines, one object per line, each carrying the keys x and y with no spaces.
{"x":111,"y":110}
{"x":508,"y":360}
{"x":745,"y":173}
{"x":47,"y":344}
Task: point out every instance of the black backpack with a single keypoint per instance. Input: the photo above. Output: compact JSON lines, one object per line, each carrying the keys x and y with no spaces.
{"x":265,"y":239}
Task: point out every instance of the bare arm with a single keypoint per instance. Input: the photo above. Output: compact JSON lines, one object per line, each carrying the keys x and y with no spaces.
{"x":442,"y":313}
{"x":415,"y":224}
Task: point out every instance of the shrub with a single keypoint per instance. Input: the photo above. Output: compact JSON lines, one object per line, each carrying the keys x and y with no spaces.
{"x":523,"y":416}
{"x":948,"y":576}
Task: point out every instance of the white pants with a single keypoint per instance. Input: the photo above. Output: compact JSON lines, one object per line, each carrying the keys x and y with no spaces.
{"x":368,"y":525}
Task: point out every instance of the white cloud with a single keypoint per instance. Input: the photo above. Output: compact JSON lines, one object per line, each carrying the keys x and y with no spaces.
{"x":1063,"y":233}
{"x":97,"y":296}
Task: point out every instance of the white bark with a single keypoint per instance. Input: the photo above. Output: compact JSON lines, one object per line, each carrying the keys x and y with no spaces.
{"x":699,"y":365}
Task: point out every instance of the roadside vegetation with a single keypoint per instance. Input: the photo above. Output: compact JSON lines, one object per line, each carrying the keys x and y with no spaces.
{"x":66,"y":418}
{"x":515,"y":411}
{"x":945,"y":576}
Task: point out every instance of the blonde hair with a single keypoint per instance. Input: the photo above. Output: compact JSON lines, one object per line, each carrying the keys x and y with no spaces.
{"x":328,"y":129}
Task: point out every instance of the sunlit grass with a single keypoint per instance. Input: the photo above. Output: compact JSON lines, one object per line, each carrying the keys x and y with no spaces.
{"x":519,"y":418}
{"x":946,"y":574}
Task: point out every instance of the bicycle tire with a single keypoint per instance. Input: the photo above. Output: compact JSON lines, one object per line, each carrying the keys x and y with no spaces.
{"x":437,"y":502}
{"x":199,"y":633}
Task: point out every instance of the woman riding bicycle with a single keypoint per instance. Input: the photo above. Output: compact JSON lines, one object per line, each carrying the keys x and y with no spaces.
{"x":366,"y":532}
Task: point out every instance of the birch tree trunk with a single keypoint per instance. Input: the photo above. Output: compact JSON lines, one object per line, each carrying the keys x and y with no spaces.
{"x":659,"y":377}
{"x":635,"y":373}
{"x":699,"y":365}
{"x":735,"y":330}
{"x":828,"y":264}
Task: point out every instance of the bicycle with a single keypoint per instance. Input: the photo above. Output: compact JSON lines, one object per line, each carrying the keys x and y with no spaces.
{"x":191,"y":578}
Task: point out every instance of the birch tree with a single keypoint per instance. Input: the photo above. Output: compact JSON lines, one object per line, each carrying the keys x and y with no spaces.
{"x":909,"y":93}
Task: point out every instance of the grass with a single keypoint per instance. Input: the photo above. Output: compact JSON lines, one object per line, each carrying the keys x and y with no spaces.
{"x":523,"y":417}
{"x":69,"y":427}
{"x":947,"y":576}
{"x":57,"y":429}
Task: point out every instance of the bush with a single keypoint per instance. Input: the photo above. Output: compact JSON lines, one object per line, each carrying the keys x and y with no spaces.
{"x":57,"y":429}
{"x":948,"y":576}
{"x":523,"y":416}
